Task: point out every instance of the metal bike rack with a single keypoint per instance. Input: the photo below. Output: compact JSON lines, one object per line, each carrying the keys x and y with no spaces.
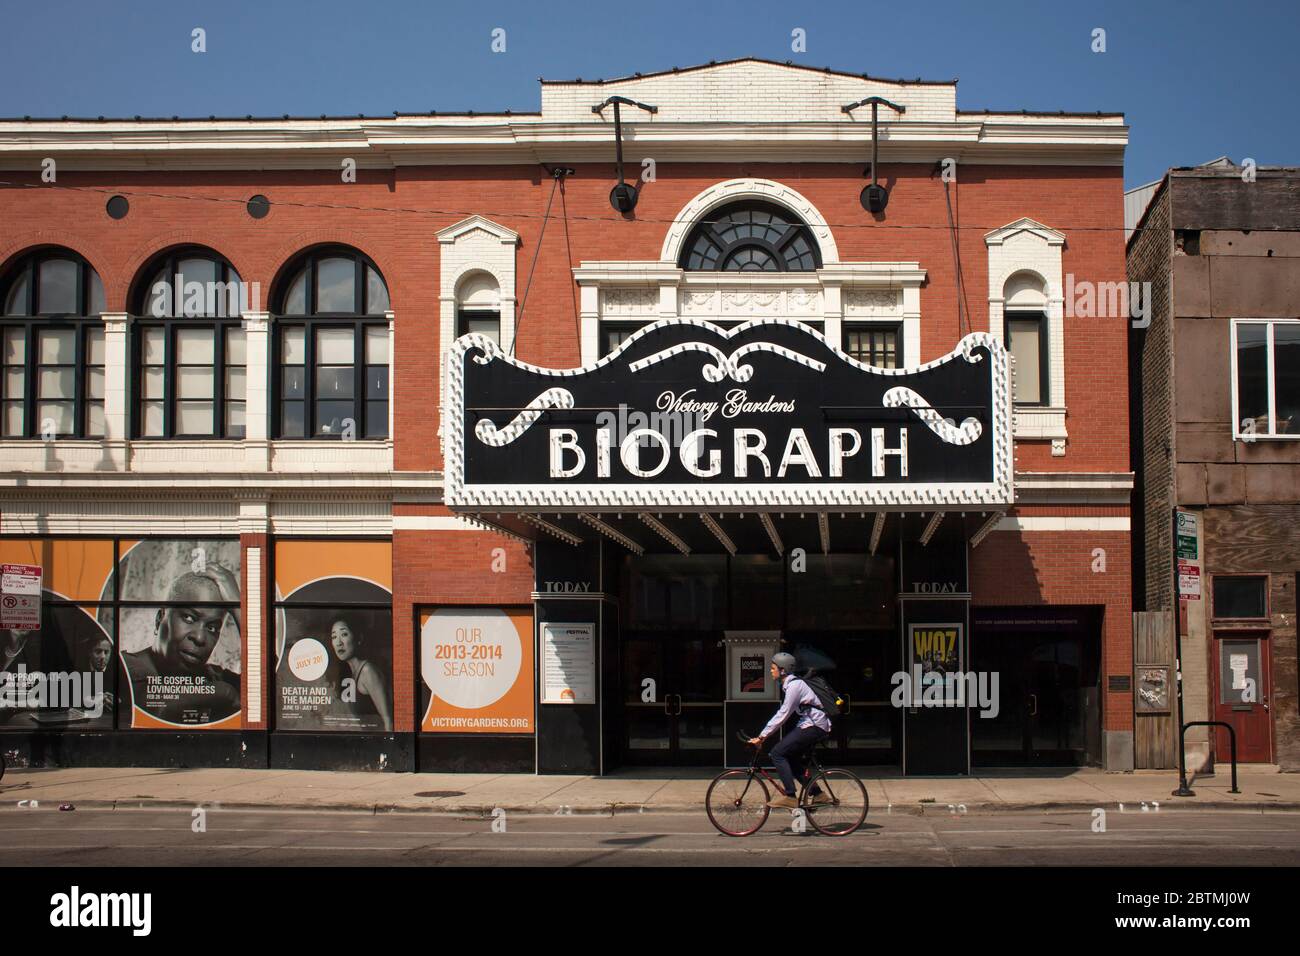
{"x":1183,"y":789}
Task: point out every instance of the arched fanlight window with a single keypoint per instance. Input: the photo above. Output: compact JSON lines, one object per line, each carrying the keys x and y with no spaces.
{"x":52,"y":353}
{"x":331,"y":347}
{"x":750,"y":236}
{"x":187,"y":347}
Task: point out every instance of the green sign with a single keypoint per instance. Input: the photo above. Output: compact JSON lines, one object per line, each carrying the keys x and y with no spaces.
{"x":1185,"y":537}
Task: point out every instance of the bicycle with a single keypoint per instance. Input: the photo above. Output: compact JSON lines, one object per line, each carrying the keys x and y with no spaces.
{"x":833,"y":800}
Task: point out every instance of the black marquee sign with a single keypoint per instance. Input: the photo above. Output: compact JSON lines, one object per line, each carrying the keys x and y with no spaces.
{"x":687,"y":415}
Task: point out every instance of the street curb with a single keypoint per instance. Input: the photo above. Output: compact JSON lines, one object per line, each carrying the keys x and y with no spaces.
{"x":485,"y":811}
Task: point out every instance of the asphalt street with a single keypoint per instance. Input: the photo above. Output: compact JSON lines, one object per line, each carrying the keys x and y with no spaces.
{"x":171,"y":837}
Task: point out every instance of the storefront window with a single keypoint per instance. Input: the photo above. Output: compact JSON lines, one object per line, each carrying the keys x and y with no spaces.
{"x":179,"y":619}
{"x":61,"y":676}
{"x":334,"y":636}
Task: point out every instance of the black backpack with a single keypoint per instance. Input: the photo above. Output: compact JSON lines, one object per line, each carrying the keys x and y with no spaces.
{"x":831,"y":703}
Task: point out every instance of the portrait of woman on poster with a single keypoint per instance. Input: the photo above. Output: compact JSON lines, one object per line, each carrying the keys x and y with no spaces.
{"x":93,"y":656}
{"x":371,"y":692}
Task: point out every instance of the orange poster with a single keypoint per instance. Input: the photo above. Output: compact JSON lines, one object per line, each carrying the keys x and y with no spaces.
{"x":477,"y":666}
{"x":76,"y":569}
{"x":299,"y":563}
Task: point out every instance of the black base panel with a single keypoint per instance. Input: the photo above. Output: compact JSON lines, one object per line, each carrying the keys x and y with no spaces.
{"x":377,"y":752}
{"x":475,"y":753}
{"x":137,"y":748}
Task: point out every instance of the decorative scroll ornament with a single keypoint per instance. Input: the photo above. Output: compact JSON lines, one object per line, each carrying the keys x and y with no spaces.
{"x":489,"y":434}
{"x":945,"y":428}
{"x":728,"y":365}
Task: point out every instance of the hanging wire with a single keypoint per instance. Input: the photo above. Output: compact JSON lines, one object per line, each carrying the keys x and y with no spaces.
{"x":523,"y":304}
{"x":568,"y":246}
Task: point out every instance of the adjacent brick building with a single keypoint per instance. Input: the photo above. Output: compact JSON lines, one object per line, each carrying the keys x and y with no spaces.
{"x":1216,"y":379}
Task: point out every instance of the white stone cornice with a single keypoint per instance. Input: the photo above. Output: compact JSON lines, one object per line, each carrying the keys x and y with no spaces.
{"x":1110,"y":488}
{"x":385,"y":144}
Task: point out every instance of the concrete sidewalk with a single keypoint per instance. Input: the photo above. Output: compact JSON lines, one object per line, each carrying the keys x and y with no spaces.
{"x":628,"y":791}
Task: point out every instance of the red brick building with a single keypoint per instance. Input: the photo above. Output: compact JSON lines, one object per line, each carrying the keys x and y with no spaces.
{"x":157,"y":434}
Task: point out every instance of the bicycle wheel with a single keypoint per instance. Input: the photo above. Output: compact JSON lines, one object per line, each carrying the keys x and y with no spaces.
{"x":737,"y":803}
{"x":845,"y":805}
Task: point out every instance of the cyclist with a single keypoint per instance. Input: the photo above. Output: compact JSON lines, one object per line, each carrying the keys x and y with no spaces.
{"x":789,"y":755}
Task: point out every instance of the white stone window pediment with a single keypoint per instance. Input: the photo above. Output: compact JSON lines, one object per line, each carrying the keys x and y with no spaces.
{"x":1025,"y":275}
{"x":476,"y":270}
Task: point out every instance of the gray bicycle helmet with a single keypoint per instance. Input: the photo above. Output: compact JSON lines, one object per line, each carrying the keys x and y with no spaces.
{"x":784,"y":662}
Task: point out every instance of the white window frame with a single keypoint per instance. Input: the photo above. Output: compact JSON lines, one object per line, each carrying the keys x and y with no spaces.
{"x":1027,"y":245}
{"x":1271,"y":434}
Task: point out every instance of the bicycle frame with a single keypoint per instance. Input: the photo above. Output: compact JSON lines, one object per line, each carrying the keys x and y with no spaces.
{"x":811,"y":772}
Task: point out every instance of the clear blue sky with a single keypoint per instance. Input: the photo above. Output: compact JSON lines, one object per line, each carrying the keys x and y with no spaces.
{"x":1196,"y":79}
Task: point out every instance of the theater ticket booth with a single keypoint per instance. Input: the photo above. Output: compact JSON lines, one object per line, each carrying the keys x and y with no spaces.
{"x":702,"y":498}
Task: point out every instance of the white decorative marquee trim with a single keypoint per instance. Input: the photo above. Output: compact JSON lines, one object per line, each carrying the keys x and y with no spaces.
{"x":721,"y":496}
{"x":728,"y":365}
{"x":489,"y":434}
{"x":970,"y":429}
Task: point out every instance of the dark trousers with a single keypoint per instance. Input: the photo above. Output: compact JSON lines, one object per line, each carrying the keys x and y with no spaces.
{"x":789,"y":756}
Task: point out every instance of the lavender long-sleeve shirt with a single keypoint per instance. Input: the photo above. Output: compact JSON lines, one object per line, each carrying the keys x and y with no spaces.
{"x":800,"y":699}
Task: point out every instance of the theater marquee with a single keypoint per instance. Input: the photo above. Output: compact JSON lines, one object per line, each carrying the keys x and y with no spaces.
{"x":685,"y":414}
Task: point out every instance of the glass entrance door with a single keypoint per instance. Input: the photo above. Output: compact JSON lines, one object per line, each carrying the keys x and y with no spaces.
{"x":1045,"y":684}
{"x":863,"y":665}
{"x":673,"y":687}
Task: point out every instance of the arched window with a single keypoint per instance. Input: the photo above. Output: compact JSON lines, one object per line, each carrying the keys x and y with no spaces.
{"x":750,"y":236}
{"x":331,"y":347}
{"x":187,"y":347}
{"x":1024,"y":304}
{"x":52,"y":381}
{"x":478,"y":306}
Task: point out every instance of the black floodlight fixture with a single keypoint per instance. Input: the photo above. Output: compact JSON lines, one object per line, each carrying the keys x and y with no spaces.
{"x":624,"y":195}
{"x":875,"y":197}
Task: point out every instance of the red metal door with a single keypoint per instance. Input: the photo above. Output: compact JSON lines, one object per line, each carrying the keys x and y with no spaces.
{"x":1242,"y":693}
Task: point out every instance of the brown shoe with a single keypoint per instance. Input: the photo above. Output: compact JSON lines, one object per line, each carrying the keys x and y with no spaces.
{"x":783,"y":801}
{"x":822,"y":800}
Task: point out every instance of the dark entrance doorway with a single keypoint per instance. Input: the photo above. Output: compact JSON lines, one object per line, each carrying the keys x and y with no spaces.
{"x":864,"y":662}
{"x":1047,"y":661}
{"x":673,"y":685}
